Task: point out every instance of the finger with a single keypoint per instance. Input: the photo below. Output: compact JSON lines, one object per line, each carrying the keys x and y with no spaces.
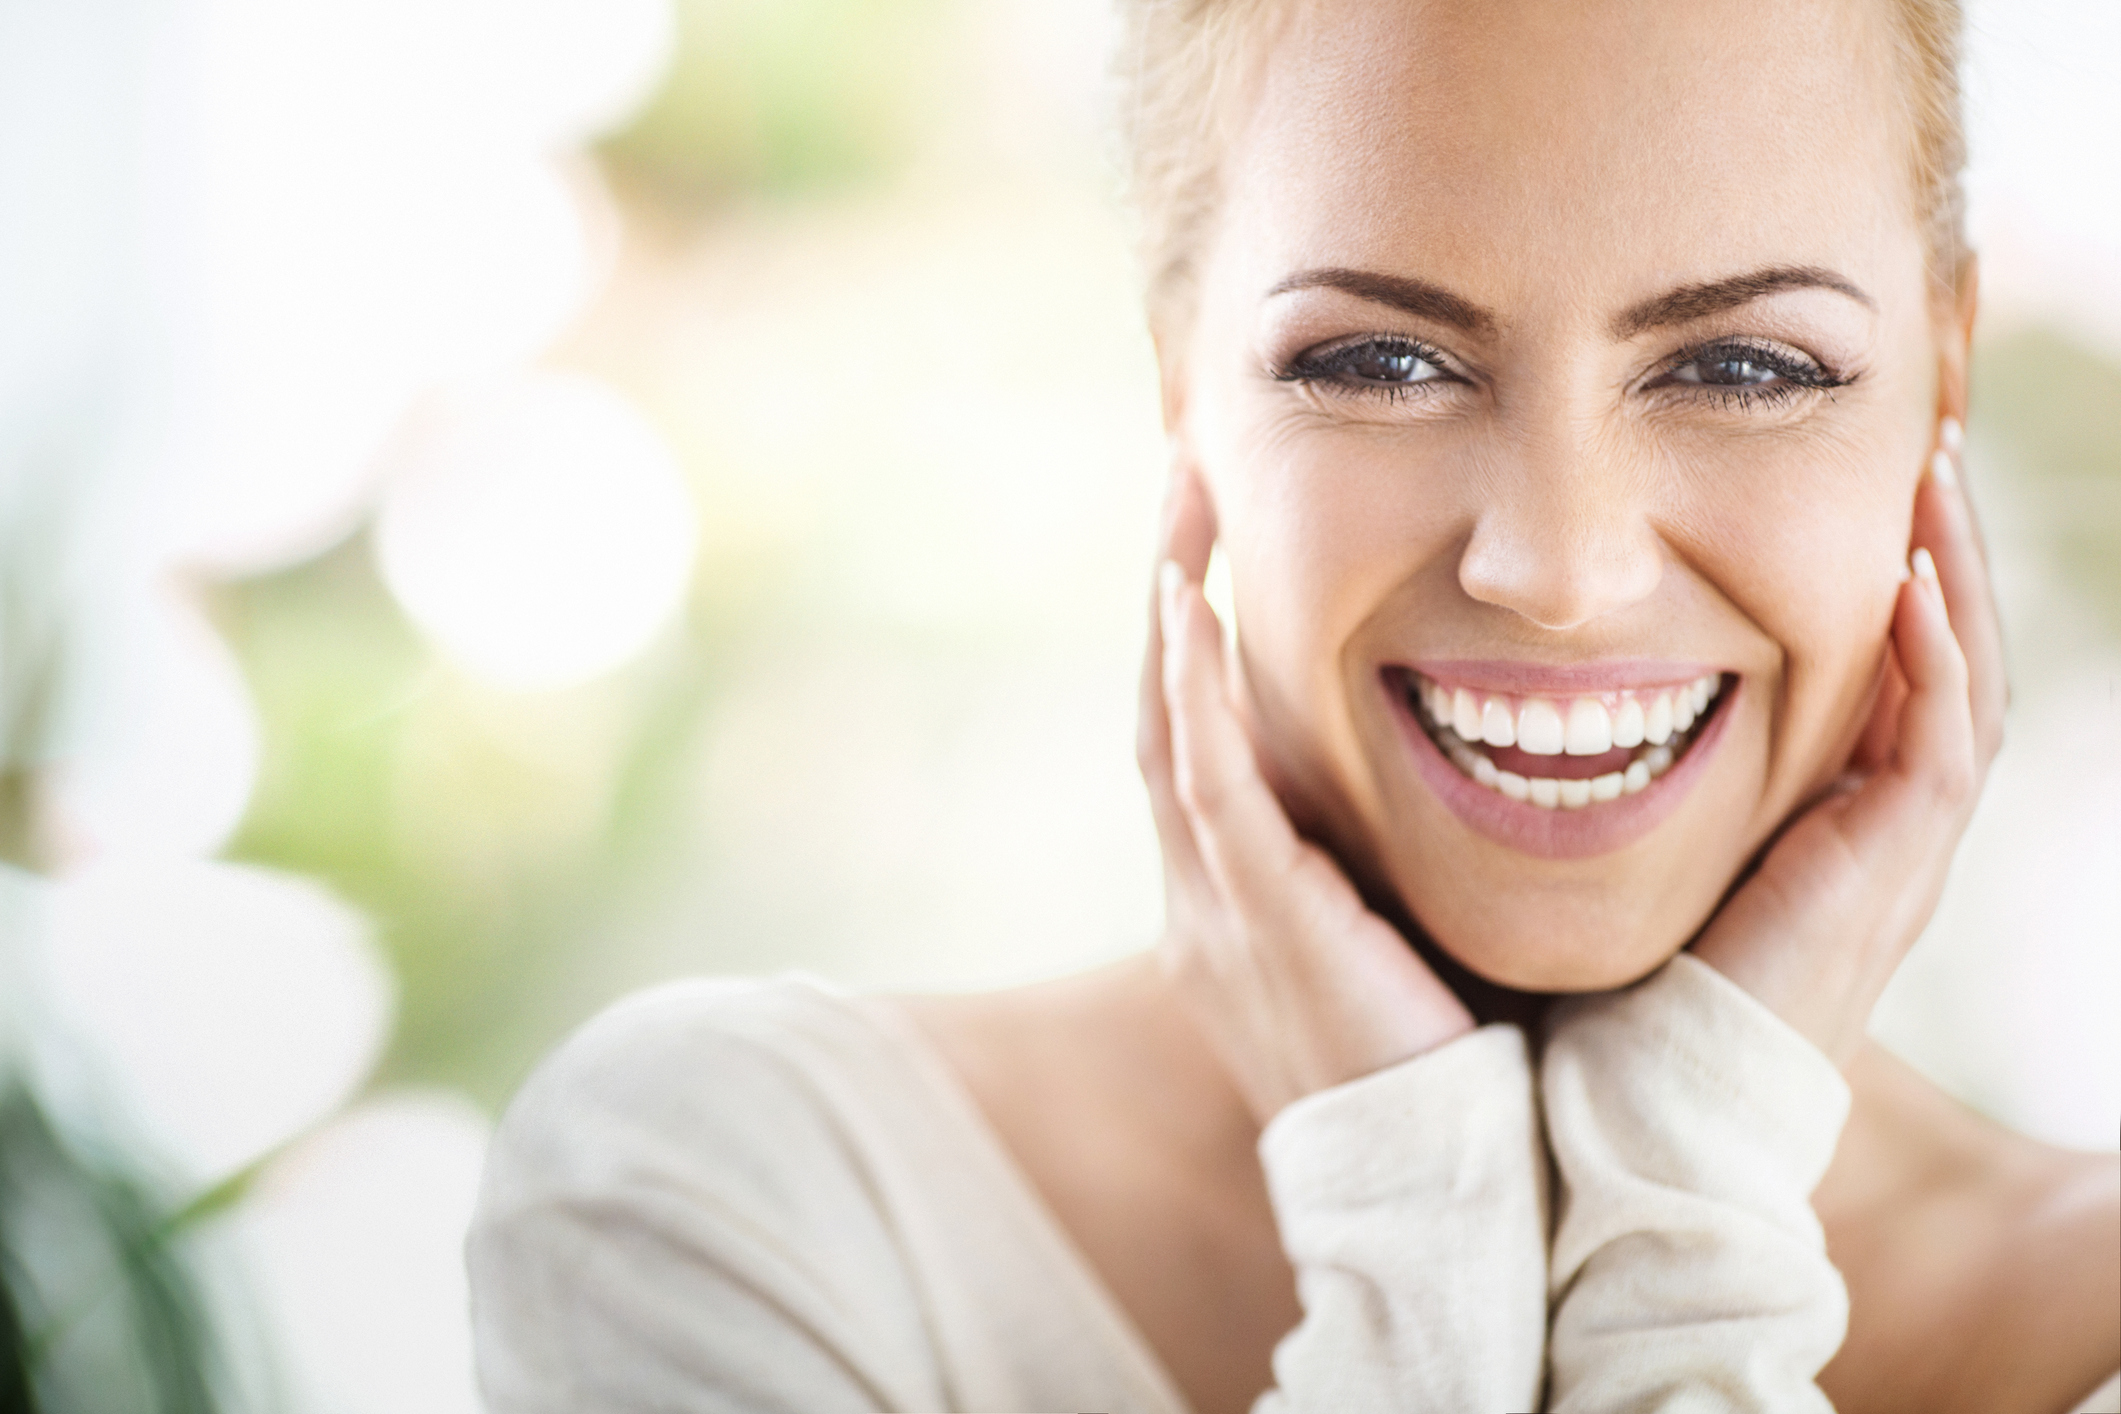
{"x":1152,"y":738}
{"x":1874,"y":750}
{"x":1934,"y":755}
{"x":1187,"y":536}
{"x":1189,"y":523}
{"x":1944,"y":526}
{"x":1152,"y":752}
{"x":1243,"y":835}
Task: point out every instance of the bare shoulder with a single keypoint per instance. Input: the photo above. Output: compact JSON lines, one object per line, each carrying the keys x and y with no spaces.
{"x":1984,"y":1268}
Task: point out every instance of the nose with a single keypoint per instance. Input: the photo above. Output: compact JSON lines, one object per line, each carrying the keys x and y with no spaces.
{"x":1562,"y":539}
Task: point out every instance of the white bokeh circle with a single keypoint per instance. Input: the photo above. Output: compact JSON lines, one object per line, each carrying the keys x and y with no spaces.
{"x":537,"y":530}
{"x":362,"y":202}
{"x":157,"y":748}
{"x":201,"y":1013}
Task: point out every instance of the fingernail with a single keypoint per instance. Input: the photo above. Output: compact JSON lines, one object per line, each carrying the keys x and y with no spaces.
{"x":1168,"y":577}
{"x":1950,"y":434}
{"x":1925,"y":567}
{"x":1943,"y":471}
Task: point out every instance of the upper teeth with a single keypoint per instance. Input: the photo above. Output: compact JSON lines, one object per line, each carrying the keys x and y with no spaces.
{"x":1580,"y":726}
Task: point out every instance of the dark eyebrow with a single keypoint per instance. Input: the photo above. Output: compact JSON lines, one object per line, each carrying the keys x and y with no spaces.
{"x":1417,"y":297}
{"x":1698,"y":301}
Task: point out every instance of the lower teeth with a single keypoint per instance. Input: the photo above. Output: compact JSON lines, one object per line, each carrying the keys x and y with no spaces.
{"x":1553,"y":793}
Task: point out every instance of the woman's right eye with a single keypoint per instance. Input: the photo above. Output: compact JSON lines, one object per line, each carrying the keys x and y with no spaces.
{"x":1389,"y":366}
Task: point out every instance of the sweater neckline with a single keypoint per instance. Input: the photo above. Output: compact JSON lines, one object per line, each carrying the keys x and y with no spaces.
{"x":1001,"y":1172}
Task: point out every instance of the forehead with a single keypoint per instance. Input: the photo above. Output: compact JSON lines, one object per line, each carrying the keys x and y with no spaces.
{"x":1521,"y":141}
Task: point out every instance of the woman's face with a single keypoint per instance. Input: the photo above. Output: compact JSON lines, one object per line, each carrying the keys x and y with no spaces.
{"x":1554,"y":366}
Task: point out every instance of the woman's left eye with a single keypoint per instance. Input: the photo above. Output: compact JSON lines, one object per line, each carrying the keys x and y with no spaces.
{"x":1748,"y":368}
{"x":1726,"y":371}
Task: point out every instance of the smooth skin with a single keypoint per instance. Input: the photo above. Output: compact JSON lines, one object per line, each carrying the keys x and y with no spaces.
{"x":1550,"y":482}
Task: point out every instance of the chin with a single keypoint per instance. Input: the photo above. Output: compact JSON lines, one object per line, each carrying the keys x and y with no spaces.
{"x":1559,"y":898}
{"x":1563,"y":940}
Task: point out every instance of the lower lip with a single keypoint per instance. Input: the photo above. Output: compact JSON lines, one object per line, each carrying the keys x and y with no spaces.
{"x":1560,"y":834}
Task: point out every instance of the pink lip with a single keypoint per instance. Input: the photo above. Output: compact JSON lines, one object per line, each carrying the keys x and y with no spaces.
{"x":1561,"y":834}
{"x":1581,"y":679}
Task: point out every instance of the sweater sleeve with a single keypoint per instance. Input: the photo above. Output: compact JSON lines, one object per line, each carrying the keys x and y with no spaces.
{"x":1412,"y":1204}
{"x":1689,"y":1126}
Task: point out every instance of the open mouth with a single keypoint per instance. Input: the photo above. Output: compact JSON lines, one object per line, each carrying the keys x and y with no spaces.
{"x":1563,"y":753}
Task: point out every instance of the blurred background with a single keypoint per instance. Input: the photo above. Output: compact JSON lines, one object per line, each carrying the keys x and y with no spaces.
{"x":503,"y":503}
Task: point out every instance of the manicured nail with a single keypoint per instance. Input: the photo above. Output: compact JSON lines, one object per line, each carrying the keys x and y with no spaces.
{"x":1943,"y":471}
{"x":1925,"y":567}
{"x":1950,"y":434}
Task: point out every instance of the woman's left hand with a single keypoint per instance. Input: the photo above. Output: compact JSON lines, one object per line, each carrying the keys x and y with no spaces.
{"x":1817,"y":933}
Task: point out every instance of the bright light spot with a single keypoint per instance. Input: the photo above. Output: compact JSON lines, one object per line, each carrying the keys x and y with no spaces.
{"x":538,"y":531}
{"x":158,"y":744}
{"x":581,"y":66}
{"x":357,"y":1235}
{"x":364,"y":205}
{"x":206,"y":1012}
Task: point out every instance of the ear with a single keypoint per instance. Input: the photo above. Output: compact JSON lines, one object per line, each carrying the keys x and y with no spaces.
{"x":1956,"y":340}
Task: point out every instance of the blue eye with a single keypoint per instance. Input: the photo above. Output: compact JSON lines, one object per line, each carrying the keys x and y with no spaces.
{"x":1749,"y":367}
{"x":1378,"y":362}
{"x":1726,"y":371}
{"x":1383,"y":365}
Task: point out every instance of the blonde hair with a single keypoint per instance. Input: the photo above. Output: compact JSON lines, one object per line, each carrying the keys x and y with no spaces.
{"x":1177,"y":57}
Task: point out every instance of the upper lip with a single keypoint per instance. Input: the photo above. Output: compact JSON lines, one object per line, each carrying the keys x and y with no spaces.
{"x":1521,"y":679}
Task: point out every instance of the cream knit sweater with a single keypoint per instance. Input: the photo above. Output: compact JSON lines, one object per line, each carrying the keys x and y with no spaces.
{"x":773,"y":1198}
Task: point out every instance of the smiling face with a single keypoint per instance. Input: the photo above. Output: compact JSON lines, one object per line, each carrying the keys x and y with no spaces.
{"x":1561,"y":375}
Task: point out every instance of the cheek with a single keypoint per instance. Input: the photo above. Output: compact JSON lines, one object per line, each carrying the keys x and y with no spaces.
{"x":1324,"y":526}
{"x":1325,"y":535}
{"x":1810,"y":546}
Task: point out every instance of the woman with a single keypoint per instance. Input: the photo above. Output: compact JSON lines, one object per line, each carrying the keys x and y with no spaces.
{"x":1574,"y":391}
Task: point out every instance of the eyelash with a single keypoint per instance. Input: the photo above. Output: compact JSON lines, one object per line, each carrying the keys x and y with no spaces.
{"x":1312,"y":367}
{"x":1799,"y":375}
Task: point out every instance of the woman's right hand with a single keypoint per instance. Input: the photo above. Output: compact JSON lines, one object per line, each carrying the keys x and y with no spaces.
{"x":1294,"y":981}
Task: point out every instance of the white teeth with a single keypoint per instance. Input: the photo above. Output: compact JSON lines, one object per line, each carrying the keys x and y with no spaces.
{"x":1437,"y":698}
{"x":1539,"y":728}
{"x":1590,"y":730}
{"x":1657,"y":722}
{"x":1497,"y":727}
{"x":1582,"y":726}
{"x":1465,"y":715}
{"x":1627,"y":722}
